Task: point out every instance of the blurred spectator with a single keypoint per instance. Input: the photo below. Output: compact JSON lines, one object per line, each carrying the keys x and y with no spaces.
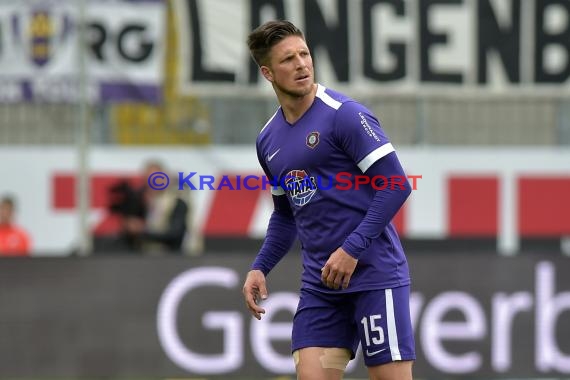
{"x":151,"y":221}
{"x":164,"y":224}
{"x":14,"y":240}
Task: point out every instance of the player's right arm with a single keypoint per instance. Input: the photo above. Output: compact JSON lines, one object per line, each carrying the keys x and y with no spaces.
{"x":255,"y":290}
{"x":280,"y":236}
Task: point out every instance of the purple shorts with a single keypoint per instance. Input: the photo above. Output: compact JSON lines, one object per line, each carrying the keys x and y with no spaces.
{"x":377,"y":319}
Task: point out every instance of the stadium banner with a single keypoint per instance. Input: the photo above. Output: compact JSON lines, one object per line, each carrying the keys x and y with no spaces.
{"x":475,"y":316}
{"x":400,"y":45}
{"x":40,"y":51}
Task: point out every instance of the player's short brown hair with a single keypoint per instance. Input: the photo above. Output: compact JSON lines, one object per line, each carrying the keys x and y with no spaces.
{"x":265,"y":36}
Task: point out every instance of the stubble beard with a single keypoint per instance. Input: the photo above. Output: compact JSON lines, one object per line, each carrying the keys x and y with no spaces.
{"x":296,"y":93}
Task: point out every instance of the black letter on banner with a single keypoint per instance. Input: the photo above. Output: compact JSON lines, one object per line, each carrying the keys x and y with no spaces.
{"x":427,"y":38}
{"x":145,"y":48}
{"x":255,"y":17}
{"x":334,"y":39}
{"x":99,"y":34}
{"x":506,"y":41}
{"x":199,"y":73}
{"x":397,"y":49}
{"x":543,"y":39}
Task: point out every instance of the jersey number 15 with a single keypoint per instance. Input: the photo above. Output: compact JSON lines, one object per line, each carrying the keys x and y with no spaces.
{"x":373,"y":330}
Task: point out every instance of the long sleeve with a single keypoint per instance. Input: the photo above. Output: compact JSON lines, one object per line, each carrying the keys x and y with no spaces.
{"x":384,"y":206}
{"x":281,"y":234}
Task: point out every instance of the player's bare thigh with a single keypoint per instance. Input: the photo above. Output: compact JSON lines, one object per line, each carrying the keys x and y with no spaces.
{"x":320,"y":363}
{"x":399,"y":370}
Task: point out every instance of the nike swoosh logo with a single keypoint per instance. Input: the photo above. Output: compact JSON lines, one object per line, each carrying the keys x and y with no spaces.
{"x":372,"y":353}
{"x":269,"y":158}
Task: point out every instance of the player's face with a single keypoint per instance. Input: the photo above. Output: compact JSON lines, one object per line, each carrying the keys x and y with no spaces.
{"x":291,"y":67}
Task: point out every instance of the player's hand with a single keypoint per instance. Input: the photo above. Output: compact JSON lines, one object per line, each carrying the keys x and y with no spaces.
{"x":254,"y":290}
{"x":338,"y":269}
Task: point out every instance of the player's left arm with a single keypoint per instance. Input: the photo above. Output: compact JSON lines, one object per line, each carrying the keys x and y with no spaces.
{"x":385,"y":204}
{"x":360,"y":135}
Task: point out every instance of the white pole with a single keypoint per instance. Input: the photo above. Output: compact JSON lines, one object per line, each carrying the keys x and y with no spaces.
{"x":508,"y":242}
{"x":82,"y":188}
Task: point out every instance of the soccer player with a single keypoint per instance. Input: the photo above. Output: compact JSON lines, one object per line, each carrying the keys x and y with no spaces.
{"x":355,"y":282}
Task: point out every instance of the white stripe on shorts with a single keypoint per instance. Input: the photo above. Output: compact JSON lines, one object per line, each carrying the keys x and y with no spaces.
{"x":391,"y":322}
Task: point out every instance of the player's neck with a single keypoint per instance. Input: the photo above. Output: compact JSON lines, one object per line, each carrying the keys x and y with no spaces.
{"x":295,"y":107}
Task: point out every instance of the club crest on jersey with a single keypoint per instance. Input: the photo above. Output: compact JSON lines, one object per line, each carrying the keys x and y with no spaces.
{"x":300,"y":186}
{"x":312,"y":139}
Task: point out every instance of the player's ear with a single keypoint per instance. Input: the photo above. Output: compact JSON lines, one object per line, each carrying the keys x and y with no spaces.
{"x":266,"y":72}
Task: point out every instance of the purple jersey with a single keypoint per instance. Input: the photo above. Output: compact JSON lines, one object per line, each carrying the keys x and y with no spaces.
{"x":335,"y":140}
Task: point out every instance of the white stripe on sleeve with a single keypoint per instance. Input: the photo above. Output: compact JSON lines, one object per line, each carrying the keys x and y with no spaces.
{"x":374,"y":156}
